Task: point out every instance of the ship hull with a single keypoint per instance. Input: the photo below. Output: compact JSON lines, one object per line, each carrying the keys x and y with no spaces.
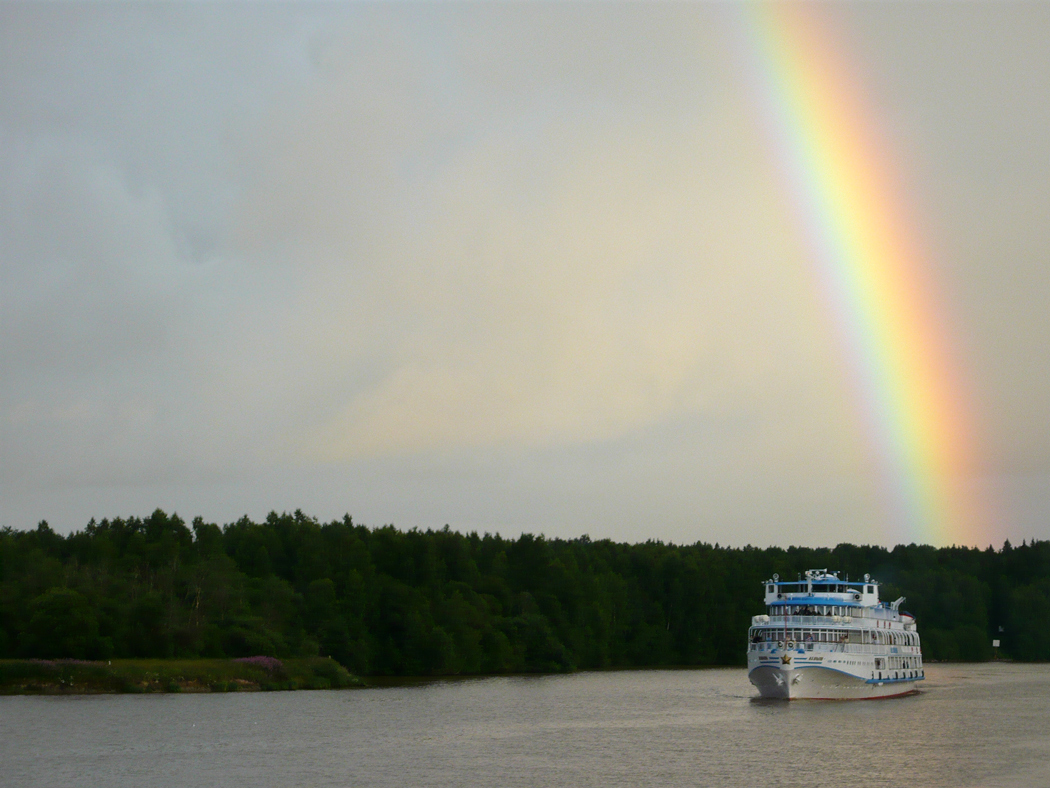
{"x":791,"y":683}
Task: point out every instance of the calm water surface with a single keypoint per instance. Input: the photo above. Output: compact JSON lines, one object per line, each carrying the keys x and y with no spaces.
{"x":973,"y":725}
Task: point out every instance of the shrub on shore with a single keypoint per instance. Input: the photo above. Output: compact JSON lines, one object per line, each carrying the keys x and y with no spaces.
{"x":43,"y":676}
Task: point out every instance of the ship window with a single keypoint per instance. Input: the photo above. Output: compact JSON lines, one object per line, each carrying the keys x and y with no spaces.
{"x":869,"y":589}
{"x":769,"y":589}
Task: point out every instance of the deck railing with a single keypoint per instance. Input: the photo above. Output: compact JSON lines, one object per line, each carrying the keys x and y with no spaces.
{"x":852,"y":648}
{"x":811,"y":621}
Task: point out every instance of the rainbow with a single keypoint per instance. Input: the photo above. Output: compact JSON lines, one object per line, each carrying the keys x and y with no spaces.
{"x":873,"y":270}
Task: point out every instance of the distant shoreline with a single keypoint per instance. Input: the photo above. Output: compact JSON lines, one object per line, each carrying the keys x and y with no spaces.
{"x":253,"y":674}
{"x":203,"y":676}
{"x":137,"y":676}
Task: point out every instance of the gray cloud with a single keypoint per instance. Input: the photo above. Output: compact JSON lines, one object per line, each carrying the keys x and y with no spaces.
{"x":514,"y":267}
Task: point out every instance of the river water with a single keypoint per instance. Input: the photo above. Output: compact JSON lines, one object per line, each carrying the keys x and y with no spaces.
{"x":984,"y":725}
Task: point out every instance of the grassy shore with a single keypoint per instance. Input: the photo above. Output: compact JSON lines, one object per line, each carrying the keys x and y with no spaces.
{"x":66,"y":676}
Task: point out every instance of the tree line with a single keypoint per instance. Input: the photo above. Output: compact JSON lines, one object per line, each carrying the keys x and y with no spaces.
{"x":386,"y":601}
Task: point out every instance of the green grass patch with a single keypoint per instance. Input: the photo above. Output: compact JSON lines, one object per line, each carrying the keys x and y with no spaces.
{"x":55,"y":677}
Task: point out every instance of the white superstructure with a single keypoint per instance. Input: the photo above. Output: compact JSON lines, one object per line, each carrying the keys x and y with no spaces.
{"x":822,"y":637}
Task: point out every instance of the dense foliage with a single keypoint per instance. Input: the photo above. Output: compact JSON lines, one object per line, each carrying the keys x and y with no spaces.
{"x":384,"y":601}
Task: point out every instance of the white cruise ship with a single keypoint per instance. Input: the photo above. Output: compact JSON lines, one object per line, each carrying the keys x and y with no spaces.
{"x":822,"y":637}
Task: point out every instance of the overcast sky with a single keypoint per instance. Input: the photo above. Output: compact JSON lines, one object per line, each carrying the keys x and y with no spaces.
{"x":510,"y":267}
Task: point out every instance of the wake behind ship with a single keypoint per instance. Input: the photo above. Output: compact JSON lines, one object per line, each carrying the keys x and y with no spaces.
{"x":822,"y":637}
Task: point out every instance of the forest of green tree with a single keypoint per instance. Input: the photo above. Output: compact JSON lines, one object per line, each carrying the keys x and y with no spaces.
{"x":386,"y":601}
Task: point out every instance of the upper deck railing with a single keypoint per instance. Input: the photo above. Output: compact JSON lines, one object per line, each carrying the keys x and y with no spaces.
{"x":860,"y":622}
{"x":809,"y":621}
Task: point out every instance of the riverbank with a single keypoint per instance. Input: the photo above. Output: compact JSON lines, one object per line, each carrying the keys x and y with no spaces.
{"x":251,"y":674}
